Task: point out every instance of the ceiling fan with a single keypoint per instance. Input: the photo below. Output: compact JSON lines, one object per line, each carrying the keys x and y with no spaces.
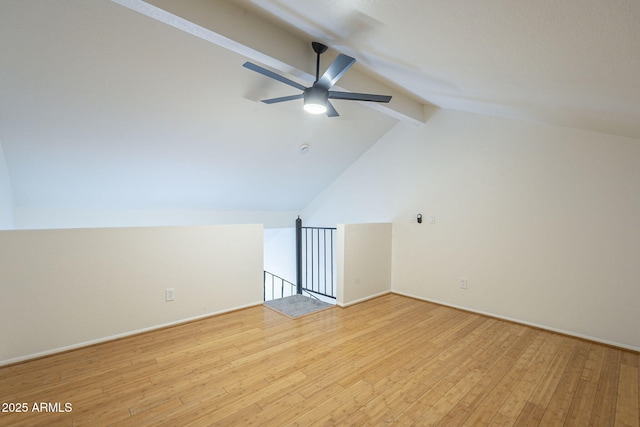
{"x":316,"y":98}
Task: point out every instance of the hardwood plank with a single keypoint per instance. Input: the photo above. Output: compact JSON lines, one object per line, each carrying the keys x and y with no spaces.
{"x":501,"y":392}
{"x":338,"y":407}
{"x":289,"y":407}
{"x":605,"y":401}
{"x":492,"y":389}
{"x":583,"y":402}
{"x":522,"y":391}
{"x":561,"y":400}
{"x":428,"y":382}
{"x":391,"y":360}
{"x":546,"y":386}
{"x":627,"y":400}
{"x":459,"y":377}
{"x":494,"y":360}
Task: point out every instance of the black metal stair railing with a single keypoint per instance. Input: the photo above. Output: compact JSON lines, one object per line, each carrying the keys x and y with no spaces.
{"x":279,"y":287}
{"x":316,"y":264}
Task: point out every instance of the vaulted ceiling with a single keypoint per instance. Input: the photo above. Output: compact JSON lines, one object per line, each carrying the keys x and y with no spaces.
{"x":128,"y":104}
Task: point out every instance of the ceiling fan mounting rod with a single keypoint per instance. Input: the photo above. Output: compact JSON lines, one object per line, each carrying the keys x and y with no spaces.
{"x":319,"y":49}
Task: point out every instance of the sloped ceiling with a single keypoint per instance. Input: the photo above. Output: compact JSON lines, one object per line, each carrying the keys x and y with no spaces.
{"x":570,"y":63}
{"x":145,"y":105}
{"x":102,"y":107}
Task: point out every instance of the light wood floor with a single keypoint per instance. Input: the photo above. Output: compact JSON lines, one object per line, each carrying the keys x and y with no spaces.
{"x":389,"y":361}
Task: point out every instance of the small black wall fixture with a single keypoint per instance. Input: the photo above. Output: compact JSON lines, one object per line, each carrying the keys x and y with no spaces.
{"x":419,"y":218}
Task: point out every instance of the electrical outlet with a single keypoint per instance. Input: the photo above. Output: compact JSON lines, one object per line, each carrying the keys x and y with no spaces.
{"x":463,"y":283}
{"x":170,"y":294}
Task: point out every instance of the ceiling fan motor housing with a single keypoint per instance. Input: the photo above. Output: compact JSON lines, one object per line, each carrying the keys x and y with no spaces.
{"x":316,"y":95}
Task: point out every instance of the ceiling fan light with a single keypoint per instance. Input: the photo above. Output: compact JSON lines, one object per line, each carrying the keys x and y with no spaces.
{"x":314,"y":108}
{"x":315,"y":100}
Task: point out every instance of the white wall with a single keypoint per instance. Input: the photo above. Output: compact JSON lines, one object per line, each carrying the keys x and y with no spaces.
{"x":47,"y":218}
{"x":7,"y":220}
{"x":66,"y":288}
{"x":280,"y":252}
{"x":542,"y":221}
{"x":363,"y":253}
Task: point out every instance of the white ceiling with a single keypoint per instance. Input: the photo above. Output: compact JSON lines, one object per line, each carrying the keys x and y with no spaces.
{"x":570,"y":62}
{"x":104,"y":107}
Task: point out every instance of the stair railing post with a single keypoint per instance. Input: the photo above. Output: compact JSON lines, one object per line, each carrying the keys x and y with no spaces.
{"x":299,"y":256}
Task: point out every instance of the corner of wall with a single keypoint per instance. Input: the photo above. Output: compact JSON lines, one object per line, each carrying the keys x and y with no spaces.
{"x":364,"y":262}
{"x":7,"y":203}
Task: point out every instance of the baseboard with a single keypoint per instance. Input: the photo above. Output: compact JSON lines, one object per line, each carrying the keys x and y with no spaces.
{"x":524,"y":322}
{"x":358,"y":301}
{"x":58,"y":350}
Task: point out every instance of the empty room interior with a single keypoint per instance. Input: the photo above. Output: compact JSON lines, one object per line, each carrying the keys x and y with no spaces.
{"x":476,"y":166}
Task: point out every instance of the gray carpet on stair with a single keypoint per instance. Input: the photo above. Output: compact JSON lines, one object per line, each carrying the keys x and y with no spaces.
{"x":297,"y":305}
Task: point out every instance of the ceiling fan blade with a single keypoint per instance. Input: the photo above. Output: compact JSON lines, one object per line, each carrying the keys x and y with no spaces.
{"x":265,"y":72}
{"x":337,"y":68}
{"x":359,"y":96}
{"x":331,"y":112}
{"x":283,"y":99}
